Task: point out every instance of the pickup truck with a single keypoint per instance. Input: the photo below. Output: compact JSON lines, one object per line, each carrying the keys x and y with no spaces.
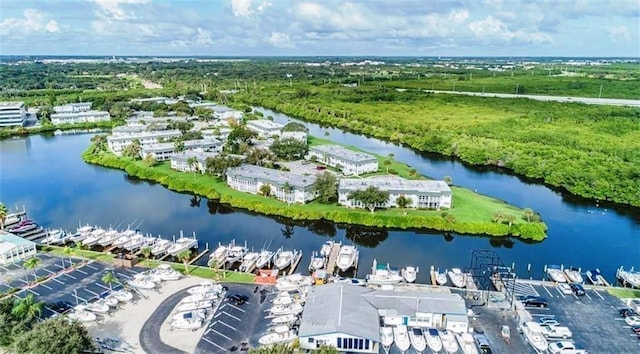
{"x":550,"y":331}
{"x":565,"y":347}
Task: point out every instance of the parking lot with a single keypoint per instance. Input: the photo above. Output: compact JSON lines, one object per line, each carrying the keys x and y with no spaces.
{"x":75,"y":285}
{"x":237,"y":327}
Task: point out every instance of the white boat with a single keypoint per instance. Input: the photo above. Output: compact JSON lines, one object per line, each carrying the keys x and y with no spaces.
{"x":628,"y":277}
{"x":24,"y":228}
{"x":181,"y":244}
{"x":573,"y":274}
{"x":248,"y":262}
{"x":192,"y":306}
{"x":189,"y":320}
{"x":282,"y":334}
{"x":297,"y":295}
{"x":236,"y":253}
{"x":325,"y":250}
{"x":433,"y":340}
{"x":296,"y":279}
{"x":149,"y":275}
{"x":284,"y":319}
{"x":554,"y":273}
{"x":210,"y":296}
{"x":97,"y":307}
{"x":138,"y":241}
{"x":142,"y":283}
{"x":284,"y":259}
{"x":449,"y":342}
{"x":467,"y":343}
{"x":533,"y":334}
{"x":416,"y":336}
{"x":111,"y":301}
{"x":441,"y":277}
{"x":109,"y":237}
{"x":264,"y":259}
{"x":12,"y":218}
{"x":291,"y":309}
{"x":94,"y":237}
{"x":282,"y":299}
{"x":382,"y":274}
{"x":123,"y":295}
{"x":219,"y":255}
{"x":352,"y":281}
{"x":347,"y":257}
{"x":401,"y":338}
{"x":160,"y":247}
{"x":457,"y":278}
{"x":317,"y":262}
{"x":594,"y":277}
{"x":114,"y":345}
{"x":193,"y":313}
{"x":165,"y":272}
{"x":80,"y":314}
{"x":410,"y":274}
{"x":205,"y":287}
{"x":386,"y":338}
{"x":55,"y":237}
{"x":124,"y":238}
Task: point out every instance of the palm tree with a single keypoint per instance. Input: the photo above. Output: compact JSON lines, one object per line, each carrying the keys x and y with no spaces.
{"x":403,"y":202}
{"x":287,"y":232}
{"x":193,"y":164}
{"x":32,"y":263}
{"x":184,"y":256}
{"x":528,"y":213}
{"x":68,"y":251}
{"x":413,"y":172}
{"x":287,"y":189}
{"x":386,"y":164}
{"x":81,"y":247}
{"x":3,"y":215}
{"x":108,"y":278}
{"x":510,"y":219}
{"x":146,"y":252}
{"x":265,"y":190}
{"x":27,"y":307}
{"x":448,"y":180}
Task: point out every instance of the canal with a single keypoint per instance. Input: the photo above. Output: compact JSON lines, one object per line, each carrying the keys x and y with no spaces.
{"x":47,"y":175}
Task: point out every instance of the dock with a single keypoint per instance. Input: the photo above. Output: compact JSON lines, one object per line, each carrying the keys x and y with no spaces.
{"x":333,"y":257}
{"x":432,"y":276}
{"x":294,"y":262}
{"x":199,"y":255}
{"x":34,"y":234}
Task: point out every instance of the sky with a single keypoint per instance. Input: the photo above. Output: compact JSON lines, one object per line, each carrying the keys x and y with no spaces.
{"x":596,"y":28}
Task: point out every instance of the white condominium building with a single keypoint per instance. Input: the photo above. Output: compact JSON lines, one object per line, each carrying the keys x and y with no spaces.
{"x":285,"y":186}
{"x":73,"y":107}
{"x":423,"y":194}
{"x":350,"y":162}
{"x":118,"y":143}
{"x":80,"y":117}
{"x":12,"y":114}
{"x":164,"y":151}
{"x":180,"y":161}
{"x":265,"y":128}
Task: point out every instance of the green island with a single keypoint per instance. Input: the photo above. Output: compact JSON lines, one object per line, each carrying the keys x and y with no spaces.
{"x":472,"y":213}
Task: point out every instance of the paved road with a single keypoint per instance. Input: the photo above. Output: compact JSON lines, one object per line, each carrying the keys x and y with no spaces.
{"x":585,"y":100}
{"x":149,"y":339}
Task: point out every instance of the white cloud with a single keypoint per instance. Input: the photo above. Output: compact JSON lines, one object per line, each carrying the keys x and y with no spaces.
{"x":112,"y":9}
{"x":492,"y":29}
{"x":244,"y":8}
{"x":618,"y":34}
{"x":33,"y":21}
{"x":280,"y":40}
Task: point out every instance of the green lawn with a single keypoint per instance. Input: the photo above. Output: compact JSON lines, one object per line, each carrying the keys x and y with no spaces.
{"x":624,"y":293}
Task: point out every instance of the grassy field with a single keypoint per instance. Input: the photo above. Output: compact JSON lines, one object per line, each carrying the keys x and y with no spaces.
{"x":624,"y":293}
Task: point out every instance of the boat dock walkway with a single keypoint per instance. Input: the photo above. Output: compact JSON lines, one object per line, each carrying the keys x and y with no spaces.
{"x":294,"y":262}
{"x":199,"y":255}
{"x":34,"y":234}
{"x":333,"y":258}
{"x":433,"y":276}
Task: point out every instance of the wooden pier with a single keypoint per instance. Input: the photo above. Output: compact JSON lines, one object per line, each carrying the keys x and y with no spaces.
{"x":199,"y":255}
{"x":433,"y":276}
{"x":295,"y":262}
{"x":333,"y":257}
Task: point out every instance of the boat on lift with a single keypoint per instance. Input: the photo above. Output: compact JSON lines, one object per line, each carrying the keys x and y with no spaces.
{"x":248,"y":262}
{"x":183,"y":243}
{"x":457,"y":277}
{"x":317,"y":262}
{"x":555,"y":273}
{"x":236,"y":252}
{"x":347,"y":258}
{"x":109,"y":237}
{"x":574,"y":275}
{"x":382,"y":274}
{"x":94,"y":237}
{"x":410,"y":274}
{"x":264,"y":259}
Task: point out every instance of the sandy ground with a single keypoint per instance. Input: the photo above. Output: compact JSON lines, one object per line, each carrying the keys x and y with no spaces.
{"x":126,"y":322}
{"x":184,"y":340}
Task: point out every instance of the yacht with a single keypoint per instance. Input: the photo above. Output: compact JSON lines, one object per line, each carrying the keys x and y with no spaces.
{"x":386,"y":338}
{"x":236,"y":253}
{"x":281,"y":334}
{"x":23,"y":227}
{"x":195,"y":305}
{"x":81,"y":233}
{"x":149,"y":275}
{"x":449,"y":342}
{"x":347,"y":258}
{"x":325,"y":250}
{"x":467,"y":343}
{"x":554,"y":273}
{"x":165,"y":272}
{"x":317,"y":262}
{"x":56,"y":237}
{"x":628,"y":277}
{"x":416,"y":336}
{"x":573,"y":274}
{"x":209,"y":296}
{"x":204,"y":287}
{"x":183,"y":243}
{"x":533,"y":334}
{"x":249,"y":262}
{"x":401,"y":338}
{"x":81,"y":314}
{"x":109,"y":237}
{"x":142,"y":283}
{"x":138,"y":242}
{"x":433,"y":340}
{"x":125,"y":236}
{"x":110,"y":301}
{"x":594,"y":277}
{"x":123,"y":295}
{"x":160,"y":247}
{"x":97,"y":307}
{"x":195,"y":313}
{"x":457,"y":277}
{"x":189,"y":320}
{"x":94,"y":237}
{"x":284,"y":259}
{"x":290,"y":309}
{"x":219,"y":256}
{"x":441,"y":278}
{"x":382,"y":274}
{"x":293,"y":281}
{"x":284,"y":319}
{"x":410,"y":274}
{"x":264,"y":259}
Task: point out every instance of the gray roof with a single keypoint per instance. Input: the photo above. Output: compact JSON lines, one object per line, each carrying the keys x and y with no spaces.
{"x":271,"y":176}
{"x":407,"y":303}
{"x":339,"y":308}
{"x":189,"y":144}
{"x":80,"y":114}
{"x":151,"y":134}
{"x":201,"y":156}
{"x":340,"y":152}
{"x":395,"y":184}
{"x":11,"y":105}
{"x":264,"y":124}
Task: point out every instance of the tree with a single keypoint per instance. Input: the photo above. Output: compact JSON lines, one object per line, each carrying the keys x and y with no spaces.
{"x":313,"y":159}
{"x":45,"y":113}
{"x":132,"y":150}
{"x":218,"y":165}
{"x":179,"y":146}
{"x":149,"y":160}
{"x":109,"y":278}
{"x":289,"y":149}
{"x":146,"y":252}
{"x":100,"y":142}
{"x":391,"y":156}
{"x":3,"y":215}
{"x":288,"y":230}
{"x":193,"y":165}
{"x":237,"y":136}
{"x":528,"y":214}
{"x":498,"y":217}
{"x":371,"y":197}
{"x":447,"y":179}
{"x":55,"y":336}
{"x":413,"y":172}
{"x":403,"y":202}
{"x":510,"y":219}
{"x":81,"y":247}
{"x":273,"y":349}
{"x":260,"y":157}
{"x":450,"y":218}
{"x":32,"y":264}
{"x":386,"y":164}
{"x":203,"y":113}
{"x":27,"y":308}
{"x":326,"y":187}
{"x":184,"y":256}
{"x":295,"y":127}
{"x":265,"y":190}
{"x":68,"y":251}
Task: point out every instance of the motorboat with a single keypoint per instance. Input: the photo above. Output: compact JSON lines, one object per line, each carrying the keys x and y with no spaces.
{"x":284,"y":319}
{"x":249,"y":262}
{"x":441,"y":278}
{"x":114,"y":345}
{"x":189,"y":320}
{"x":293,"y":281}
{"x":55,"y":237}
{"x":12,"y":218}
{"x":142,"y":283}
{"x":196,"y":305}
{"x":401,"y":338}
{"x":81,"y":314}
{"x":111,"y":301}
{"x":193,"y":313}
{"x":595,"y":277}
{"x":467,"y":343}
{"x":282,"y":299}
{"x":555,"y":273}
{"x":457,"y":277}
{"x":297,"y":295}
{"x":264,"y":259}
{"x":236,"y":253}
{"x":84,"y":229}
{"x":416,"y":336}
{"x":98,"y":307}
{"x":574,"y":275}
{"x":410,"y":274}
{"x":24,"y":228}
{"x":181,"y":244}
{"x":24,"y":222}
{"x":291,"y":309}
{"x":628,"y":277}
{"x":109,"y":237}
{"x":386,"y":338}
{"x":347,"y":257}
{"x":136,"y":242}
{"x":433,"y":340}
{"x":219,"y":256}
{"x":533,"y":334}
{"x":325,"y":250}
{"x":151,"y":276}
{"x":205,"y":287}
{"x":160,"y":247}
{"x":123,"y":295}
{"x":284,"y":259}
{"x":317,"y":262}
{"x":382,"y":274}
{"x":123,"y":239}
{"x":281,"y":334}
{"x":449,"y":342}
{"x":94,"y":237}
{"x":165,"y":272}
{"x":209,"y":296}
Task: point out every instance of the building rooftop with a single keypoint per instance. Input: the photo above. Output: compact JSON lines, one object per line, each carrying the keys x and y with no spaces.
{"x":189,"y":144}
{"x":8,"y":241}
{"x":344,"y":153}
{"x":199,"y":155}
{"x":265,"y":124}
{"x":271,"y":176}
{"x":11,"y":105}
{"x":394,"y":183}
{"x":151,"y":134}
{"x":408,"y":303}
{"x":78,"y":113}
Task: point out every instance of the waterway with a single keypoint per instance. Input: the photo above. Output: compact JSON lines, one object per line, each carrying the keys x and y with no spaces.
{"x":47,"y":175}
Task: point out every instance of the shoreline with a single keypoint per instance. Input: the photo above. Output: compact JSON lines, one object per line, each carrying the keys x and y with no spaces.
{"x":214,"y":188}
{"x":11,"y":132}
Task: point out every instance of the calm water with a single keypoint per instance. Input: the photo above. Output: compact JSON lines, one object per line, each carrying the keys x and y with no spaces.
{"x":47,"y":175}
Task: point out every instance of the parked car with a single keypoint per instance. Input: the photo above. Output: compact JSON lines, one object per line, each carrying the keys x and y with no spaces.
{"x":636,"y":329}
{"x":61,"y":306}
{"x":577,"y":289}
{"x":564,"y":347}
{"x":238,"y":299}
{"x":547,"y":320}
{"x":550,"y":331}
{"x":632,"y":320}
{"x":526,"y":297}
{"x":627,"y":312}
{"x":483,"y":343}
{"x":565,"y":288}
{"x":536,"y":302}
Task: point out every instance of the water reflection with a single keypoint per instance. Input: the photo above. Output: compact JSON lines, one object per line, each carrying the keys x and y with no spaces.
{"x":194,"y":201}
{"x":366,"y":236}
